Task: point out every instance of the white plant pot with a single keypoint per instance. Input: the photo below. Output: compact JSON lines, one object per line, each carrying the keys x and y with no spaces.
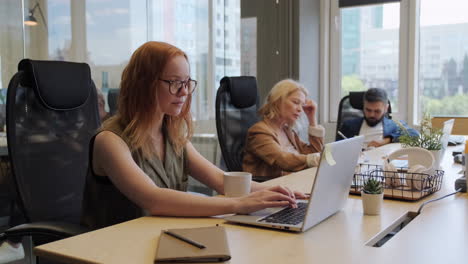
{"x":372,"y":203}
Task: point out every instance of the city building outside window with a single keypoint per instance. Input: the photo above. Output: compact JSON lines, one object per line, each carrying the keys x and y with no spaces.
{"x":370,"y":49}
{"x":443,"y":58}
{"x":416,"y":50}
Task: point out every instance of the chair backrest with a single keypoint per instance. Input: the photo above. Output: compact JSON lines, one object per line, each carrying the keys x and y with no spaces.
{"x":52,"y":113}
{"x":236,"y":111}
{"x":112,"y":100}
{"x":350,"y":107}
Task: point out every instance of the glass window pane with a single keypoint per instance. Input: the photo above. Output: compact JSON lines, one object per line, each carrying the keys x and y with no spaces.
{"x":11,"y":42}
{"x":92,"y":31}
{"x":370,"y":49}
{"x":113,"y":32}
{"x":45,"y":14}
{"x":105,"y":34}
{"x":443,"y":58}
{"x":184,"y":23}
{"x":249,"y":46}
{"x":11,"y":47}
{"x":229,"y":49}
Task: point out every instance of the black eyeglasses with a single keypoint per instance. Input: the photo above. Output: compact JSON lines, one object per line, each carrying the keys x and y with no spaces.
{"x":176,"y":86}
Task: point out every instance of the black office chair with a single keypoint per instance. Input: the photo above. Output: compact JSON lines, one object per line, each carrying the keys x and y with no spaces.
{"x":52,"y":113}
{"x":350,"y":107}
{"x":112,"y":100}
{"x":237,"y":103}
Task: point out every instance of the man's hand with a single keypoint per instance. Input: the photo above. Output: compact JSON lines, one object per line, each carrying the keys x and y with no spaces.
{"x":378,"y":143}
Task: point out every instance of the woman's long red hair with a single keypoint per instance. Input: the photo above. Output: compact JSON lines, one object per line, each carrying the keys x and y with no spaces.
{"x":138,"y":100}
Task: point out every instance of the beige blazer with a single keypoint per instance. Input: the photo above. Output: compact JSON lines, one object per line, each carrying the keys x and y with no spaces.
{"x":264,"y":156}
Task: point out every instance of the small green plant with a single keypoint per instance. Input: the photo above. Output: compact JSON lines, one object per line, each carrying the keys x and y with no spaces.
{"x":372,"y":186}
{"x":429,"y":137}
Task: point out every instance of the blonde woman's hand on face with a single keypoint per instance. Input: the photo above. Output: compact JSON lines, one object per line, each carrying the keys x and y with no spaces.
{"x":310,"y":107}
{"x":276,"y":196}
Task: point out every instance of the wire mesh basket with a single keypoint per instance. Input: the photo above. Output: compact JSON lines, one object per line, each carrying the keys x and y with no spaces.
{"x":399,"y":184}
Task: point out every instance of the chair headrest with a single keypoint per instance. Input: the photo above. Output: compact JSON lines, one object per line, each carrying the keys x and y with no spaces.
{"x":356,"y":99}
{"x":60,"y":85}
{"x":243,"y":90}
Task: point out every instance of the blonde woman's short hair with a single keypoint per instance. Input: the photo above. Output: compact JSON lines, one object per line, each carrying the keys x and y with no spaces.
{"x":276,"y":97}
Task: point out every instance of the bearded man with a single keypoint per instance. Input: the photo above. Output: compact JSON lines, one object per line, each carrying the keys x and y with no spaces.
{"x":375,"y":126}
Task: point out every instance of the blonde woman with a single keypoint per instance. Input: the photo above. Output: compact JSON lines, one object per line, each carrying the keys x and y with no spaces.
{"x":141,"y":157}
{"x":272,"y":147}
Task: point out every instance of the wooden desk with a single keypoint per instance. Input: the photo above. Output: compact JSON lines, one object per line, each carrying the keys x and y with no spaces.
{"x":438,"y":235}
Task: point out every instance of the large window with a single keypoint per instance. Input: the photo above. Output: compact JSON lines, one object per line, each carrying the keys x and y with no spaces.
{"x":105,"y":34}
{"x":369,"y":49}
{"x":443,"y":57}
{"x":417,"y":50}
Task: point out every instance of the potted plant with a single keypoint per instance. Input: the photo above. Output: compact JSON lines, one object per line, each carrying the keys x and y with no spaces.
{"x":429,"y":138}
{"x":372,"y":196}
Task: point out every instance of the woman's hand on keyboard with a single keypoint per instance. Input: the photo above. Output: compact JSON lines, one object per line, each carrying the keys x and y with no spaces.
{"x":276,"y":196}
{"x":285,"y":190}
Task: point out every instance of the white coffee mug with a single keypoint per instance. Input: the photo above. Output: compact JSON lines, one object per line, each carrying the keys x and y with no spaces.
{"x":237,"y":183}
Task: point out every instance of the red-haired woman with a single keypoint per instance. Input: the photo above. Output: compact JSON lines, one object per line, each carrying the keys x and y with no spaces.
{"x":141,"y":157}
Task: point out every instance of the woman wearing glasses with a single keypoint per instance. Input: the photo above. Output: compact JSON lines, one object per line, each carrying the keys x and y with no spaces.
{"x":272,"y":147}
{"x":141,"y":157}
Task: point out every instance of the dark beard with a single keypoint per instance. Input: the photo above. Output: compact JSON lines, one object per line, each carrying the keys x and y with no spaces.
{"x":373,"y":122}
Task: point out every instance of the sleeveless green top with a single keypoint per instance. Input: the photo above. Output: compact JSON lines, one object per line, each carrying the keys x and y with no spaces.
{"x":104,"y":205}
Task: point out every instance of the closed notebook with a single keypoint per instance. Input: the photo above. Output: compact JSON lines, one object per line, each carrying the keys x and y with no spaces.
{"x":171,"y":249}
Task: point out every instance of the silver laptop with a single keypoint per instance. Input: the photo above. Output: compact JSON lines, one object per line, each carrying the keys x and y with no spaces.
{"x":329,"y":192}
{"x":446,"y":131}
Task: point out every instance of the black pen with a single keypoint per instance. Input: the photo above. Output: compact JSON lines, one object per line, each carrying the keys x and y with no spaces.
{"x":191,"y":242}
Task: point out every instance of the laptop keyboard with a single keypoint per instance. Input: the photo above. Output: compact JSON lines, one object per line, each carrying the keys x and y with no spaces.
{"x":290,"y":216}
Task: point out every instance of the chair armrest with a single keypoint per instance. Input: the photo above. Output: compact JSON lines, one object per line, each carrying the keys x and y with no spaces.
{"x":44,"y":232}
